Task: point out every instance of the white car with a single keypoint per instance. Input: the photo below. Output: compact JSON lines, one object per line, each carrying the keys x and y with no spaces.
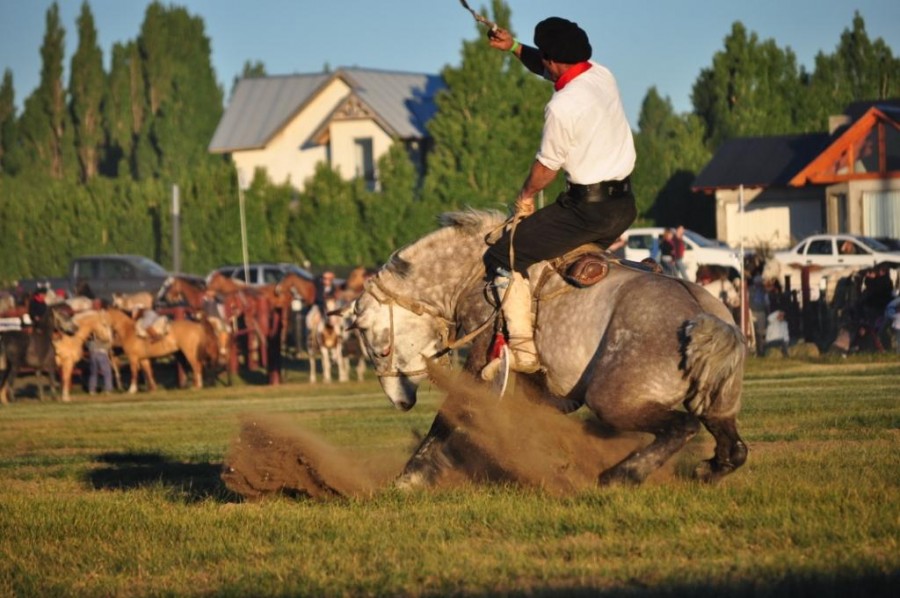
{"x":837,"y":251}
{"x":698,"y":250}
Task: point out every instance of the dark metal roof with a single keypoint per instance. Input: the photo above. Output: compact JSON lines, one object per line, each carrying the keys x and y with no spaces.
{"x":262,"y":106}
{"x":857,"y":109}
{"x":760,"y":161}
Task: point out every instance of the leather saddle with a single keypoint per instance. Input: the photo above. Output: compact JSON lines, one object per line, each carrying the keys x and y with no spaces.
{"x":588,"y":265}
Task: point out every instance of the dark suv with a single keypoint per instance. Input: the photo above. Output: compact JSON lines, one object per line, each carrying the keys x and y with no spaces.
{"x":108,"y":274}
{"x":263,"y":272}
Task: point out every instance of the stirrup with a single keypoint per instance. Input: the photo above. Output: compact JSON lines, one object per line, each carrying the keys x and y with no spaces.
{"x":497,"y":372}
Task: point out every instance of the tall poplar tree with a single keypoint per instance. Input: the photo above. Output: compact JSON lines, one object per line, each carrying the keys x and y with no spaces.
{"x":87,"y":88}
{"x":7,"y":123}
{"x":124,"y":110}
{"x":859,"y":69}
{"x":184,"y":99}
{"x":44,"y":123}
{"x":487,"y":128}
{"x":751,"y":88}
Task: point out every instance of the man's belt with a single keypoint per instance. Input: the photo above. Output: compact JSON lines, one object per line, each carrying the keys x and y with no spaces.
{"x":602,"y":191}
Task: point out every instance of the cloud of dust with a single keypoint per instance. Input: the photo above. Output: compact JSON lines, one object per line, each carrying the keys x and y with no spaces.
{"x":518,"y":439}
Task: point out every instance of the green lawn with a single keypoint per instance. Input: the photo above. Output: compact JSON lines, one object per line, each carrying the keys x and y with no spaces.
{"x":121,"y":496}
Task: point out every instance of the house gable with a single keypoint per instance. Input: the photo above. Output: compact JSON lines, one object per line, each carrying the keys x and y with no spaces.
{"x":287,"y":125}
{"x":868,"y":149}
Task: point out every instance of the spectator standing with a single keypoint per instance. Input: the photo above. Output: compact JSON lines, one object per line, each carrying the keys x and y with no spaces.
{"x":678,"y":252}
{"x":666,"y":252}
{"x":98,"y":352}
{"x":777,"y":332}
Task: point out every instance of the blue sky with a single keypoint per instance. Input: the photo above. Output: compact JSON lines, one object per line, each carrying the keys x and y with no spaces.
{"x":645,"y":42}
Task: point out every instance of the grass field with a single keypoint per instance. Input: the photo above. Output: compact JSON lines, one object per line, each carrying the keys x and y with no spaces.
{"x":121,"y":496}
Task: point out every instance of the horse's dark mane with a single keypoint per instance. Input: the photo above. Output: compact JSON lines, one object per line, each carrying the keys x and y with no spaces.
{"x":397,"y":265}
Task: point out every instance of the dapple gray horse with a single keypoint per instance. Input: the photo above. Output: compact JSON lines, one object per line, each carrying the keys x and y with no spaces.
{"x":643,"y":351}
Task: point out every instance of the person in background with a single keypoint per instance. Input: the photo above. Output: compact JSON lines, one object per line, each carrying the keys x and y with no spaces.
{"x":666,"y":252}
{"x":777,"y":332}
{"x":99,"y":356}
{"x":678,"y":252}
{"x":325,"y":289}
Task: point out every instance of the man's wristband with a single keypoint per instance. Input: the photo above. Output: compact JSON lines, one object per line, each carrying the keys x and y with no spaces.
{"x":515,"y":45}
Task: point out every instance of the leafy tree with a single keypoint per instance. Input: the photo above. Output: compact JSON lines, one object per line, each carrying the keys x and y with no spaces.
{"x":859,"y":69}
{"x":7,"y":124}
{"x":87,"y":87}
{"x":124,"y":110}
{"x":44,"y":121}
{"x":752,"y":88}
{"x":487,"y":128}
{"x":327,"y":225}
{"x":390,"y":214}
{"x":184,"y":100}
{"x":667,"y":145}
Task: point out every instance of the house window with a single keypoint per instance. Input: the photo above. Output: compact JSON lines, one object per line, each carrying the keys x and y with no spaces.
{"x":892,"y":148}
{"x":866,"y":152}
{"x":364,"y":159}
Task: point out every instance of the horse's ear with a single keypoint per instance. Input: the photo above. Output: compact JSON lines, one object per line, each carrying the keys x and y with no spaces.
{"x":344,"y":311}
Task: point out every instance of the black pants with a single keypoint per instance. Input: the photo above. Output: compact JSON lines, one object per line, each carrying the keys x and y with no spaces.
{"x":560,"y":227}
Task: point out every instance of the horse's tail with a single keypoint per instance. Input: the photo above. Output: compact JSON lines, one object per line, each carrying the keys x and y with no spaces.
{"x":713,"y":362}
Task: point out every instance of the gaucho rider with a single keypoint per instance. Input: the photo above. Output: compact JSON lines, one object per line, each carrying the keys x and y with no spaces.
{"x":586,"y":134}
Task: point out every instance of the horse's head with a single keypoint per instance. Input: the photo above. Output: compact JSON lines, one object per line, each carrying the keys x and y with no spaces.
{"x":399,"y":342}
{"x":61,"y":318}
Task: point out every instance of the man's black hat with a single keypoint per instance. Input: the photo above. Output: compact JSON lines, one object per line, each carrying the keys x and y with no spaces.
{"x":562,"y":41}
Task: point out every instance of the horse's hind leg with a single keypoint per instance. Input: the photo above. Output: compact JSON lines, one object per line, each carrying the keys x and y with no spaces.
{"x":731,"y":452}
{"x":672,"y":432}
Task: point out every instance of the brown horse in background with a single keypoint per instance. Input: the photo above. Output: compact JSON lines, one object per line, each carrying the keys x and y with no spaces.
{"x":34,"y":349}
{"x":197,"y":341}
{"x":177,"y":290}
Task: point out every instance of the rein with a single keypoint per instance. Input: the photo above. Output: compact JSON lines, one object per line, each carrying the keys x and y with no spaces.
{"x":391,"y":299}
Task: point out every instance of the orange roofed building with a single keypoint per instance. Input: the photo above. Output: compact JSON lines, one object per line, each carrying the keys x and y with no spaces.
{"x":843,"y":181}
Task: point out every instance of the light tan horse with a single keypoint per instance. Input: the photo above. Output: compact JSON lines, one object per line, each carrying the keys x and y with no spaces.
{"x":70,"y":349}
{"x":132,"y":301}
{"x":197,"y":341}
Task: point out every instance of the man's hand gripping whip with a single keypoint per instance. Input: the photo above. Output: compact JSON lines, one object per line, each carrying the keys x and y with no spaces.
{"x":479,"y":18}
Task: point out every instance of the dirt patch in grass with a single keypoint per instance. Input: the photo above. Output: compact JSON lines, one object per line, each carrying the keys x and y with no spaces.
{"x":270,"y":456}
{"x":516,"y":440}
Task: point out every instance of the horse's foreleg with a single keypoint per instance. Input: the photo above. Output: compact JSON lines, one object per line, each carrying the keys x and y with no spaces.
{"x":343,"y":366}
{"x":66,"y":368}
{"x":7,"y":391}
{"x":672,"y":431}
{"x":326,"y":364}
{"x":360,"y":368}
{"x":114,"y":364}
{"x":135,"y":367}
{"x":197,"y":370}
{"x":51,"y":376}
{"x":312,"y":365}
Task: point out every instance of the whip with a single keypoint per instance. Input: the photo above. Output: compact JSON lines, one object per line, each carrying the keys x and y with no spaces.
{"x":479,"y":18}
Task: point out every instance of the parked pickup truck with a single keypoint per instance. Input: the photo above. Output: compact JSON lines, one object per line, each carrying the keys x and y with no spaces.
{"x":104,"y":275}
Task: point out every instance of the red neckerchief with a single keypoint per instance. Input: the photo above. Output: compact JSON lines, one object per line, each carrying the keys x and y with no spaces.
{"x":574,"y":71}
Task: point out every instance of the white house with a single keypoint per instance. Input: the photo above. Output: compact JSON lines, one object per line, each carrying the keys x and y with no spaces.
{"x":347,"y":119}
